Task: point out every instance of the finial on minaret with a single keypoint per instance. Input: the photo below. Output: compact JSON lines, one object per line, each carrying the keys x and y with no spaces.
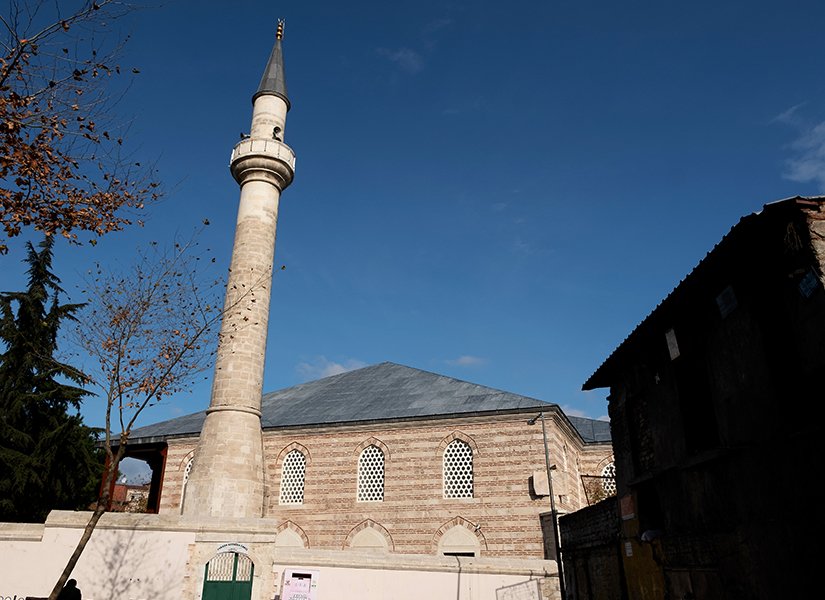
{"x":273,"y":82}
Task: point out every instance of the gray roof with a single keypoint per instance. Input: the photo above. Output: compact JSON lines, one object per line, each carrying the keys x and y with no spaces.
{"x":274,"y":81}
{"x":592,"y":430}
{"x":380,"y":393}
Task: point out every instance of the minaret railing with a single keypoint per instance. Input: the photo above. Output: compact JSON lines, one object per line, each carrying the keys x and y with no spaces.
{"x":272,"y":148}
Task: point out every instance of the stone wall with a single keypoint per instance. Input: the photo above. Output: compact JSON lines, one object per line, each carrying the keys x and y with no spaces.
{"x":595,"y":525}
{"x":502,"y":515}
{"x":164,"y":557}
{"x":815,"y":215}
{"x":590,"y":551}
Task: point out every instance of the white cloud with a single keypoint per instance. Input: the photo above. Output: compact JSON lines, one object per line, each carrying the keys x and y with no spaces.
{"x":520,"y":247}
{"x":808,"y":162}
{"x":407,"y":59}
{"x":467,"y":361}
{"x":431,"y":29}
{"x":321,"y":367}
{"x":433,"y":26}
{"x":574,"y":412}
{"x":788,"y":115}
{"x":136,"y":471}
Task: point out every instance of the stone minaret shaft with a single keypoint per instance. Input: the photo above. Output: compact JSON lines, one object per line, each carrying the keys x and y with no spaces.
{"x":227,"y":478}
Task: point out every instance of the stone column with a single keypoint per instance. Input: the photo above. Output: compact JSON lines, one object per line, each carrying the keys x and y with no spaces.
{"x":227,"y":477}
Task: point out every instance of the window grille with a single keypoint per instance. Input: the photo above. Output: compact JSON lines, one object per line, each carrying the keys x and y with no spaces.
{"x":458,"y":470}
{"x":292,"y":478}
{"x":243,"y":572}
{"x":186,"y":471}
{"x":229,"y":566}
{"x":371,"y":475}
{"x":609,"y":479}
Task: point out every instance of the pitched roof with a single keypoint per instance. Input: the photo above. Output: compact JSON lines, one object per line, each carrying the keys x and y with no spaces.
{"x":273,"y":81}
{"x":380,"y":393}
{"x":592,"y":430}
{"x":604,"y":374}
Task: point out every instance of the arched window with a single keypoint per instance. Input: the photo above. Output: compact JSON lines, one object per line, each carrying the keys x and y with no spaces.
{"x":609,"y":479}
{"x":371,"y":475}
{"x":293,"y":472}
{"x":186,"y":472}
{"x":458,"y":470}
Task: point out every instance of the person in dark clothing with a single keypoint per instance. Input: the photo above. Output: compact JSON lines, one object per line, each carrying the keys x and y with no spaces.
{"x":70,"y":591}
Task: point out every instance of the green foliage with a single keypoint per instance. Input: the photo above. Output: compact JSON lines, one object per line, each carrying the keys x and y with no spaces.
{"x":47,"y":456}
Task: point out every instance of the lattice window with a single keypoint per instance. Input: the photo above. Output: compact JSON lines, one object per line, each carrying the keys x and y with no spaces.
{"x":221,"y":568}
{"x":186,"y":472}
{"x":609,"y":479}
{"x":243,"y":572}
{"x":458,"y":470}
{"x":371,"y":475}
{"x":292,"y":478}
{"x":229,"y":566}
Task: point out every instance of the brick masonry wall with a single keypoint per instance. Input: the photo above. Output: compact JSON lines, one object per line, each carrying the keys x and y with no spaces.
{"x":816,"y":226}
{"x":591,"y":526}
{"x":506,"y":452}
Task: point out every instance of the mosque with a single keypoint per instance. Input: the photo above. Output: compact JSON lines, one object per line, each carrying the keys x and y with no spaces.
{"x":386,"y":482}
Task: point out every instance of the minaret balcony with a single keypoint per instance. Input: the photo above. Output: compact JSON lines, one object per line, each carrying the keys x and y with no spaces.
{"x":260,"y":159}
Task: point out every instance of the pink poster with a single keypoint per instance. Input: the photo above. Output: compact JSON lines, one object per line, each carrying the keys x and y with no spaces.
{"x":300,"y":584}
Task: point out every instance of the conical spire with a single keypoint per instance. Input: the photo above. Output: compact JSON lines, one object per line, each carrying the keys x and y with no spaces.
{"x":274,"y":82}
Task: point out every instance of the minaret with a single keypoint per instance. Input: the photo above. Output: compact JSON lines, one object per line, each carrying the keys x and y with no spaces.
{"x":227,"y":478}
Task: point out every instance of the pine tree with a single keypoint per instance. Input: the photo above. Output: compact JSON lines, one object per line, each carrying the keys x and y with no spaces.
{"x":47,"y":456}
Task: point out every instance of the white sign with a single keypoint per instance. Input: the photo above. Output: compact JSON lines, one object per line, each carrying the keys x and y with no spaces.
{"x":300,"y":584}
{"x":233,"y":547}
{"x":672,"y":345}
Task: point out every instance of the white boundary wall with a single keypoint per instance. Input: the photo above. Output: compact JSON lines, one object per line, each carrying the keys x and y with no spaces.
{"x":159,"y":557}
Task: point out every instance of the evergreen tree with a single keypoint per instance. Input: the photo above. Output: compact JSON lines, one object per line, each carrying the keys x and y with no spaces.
{"x":47,"y":456}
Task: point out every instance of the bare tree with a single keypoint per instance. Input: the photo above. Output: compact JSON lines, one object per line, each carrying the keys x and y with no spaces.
{"x":62,"y":165}
{"x":150,"y":329}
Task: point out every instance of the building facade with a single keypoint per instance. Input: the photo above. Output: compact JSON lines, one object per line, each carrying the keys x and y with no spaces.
{"x":712,"y":403}
{"x":385,"y":482}
{"x":408,"y":455}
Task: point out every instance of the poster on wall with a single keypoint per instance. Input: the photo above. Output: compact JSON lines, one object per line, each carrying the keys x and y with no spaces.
{"x":626,"y":507}
{"x":300,"y":584}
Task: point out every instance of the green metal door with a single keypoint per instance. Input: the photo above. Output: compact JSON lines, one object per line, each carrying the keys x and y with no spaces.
{"x":228,"y":577}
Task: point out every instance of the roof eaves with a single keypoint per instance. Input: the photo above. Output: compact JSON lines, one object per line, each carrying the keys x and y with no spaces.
{"x":601,"y":378}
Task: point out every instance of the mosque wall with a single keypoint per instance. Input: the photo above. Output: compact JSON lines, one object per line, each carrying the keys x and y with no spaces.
{"x":411,"y":514}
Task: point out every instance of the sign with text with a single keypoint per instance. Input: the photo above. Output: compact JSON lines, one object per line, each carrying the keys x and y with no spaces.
{"x":233,"y":547}
{"x":300,"y":584}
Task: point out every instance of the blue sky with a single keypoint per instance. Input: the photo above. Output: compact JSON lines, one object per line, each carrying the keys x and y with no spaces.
{"x":495,"y":192}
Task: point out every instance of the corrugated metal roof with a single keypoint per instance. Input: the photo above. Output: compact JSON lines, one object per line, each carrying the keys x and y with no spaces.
{"x":600,"y":377}
{"x":380,"y":393}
